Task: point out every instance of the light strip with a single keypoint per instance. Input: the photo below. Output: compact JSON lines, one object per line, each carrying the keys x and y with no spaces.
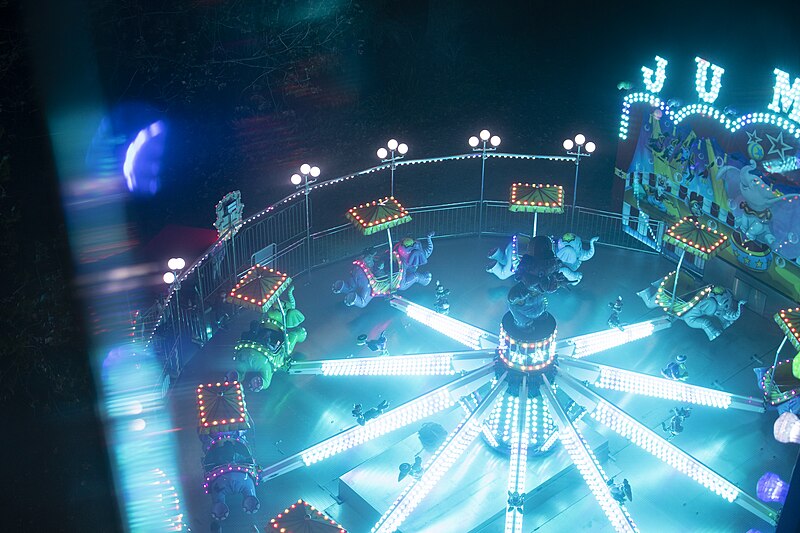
{"x":678,"y":115}
{"x":613,"y":378}
{"x":437,"y":400}
{"x":625,"y":425}
{"x":587,"y":464}
{"x":462,"y":332}
{"x":518,"y":462}
{"x":431,"y":364}
{"x":440,"y":462}
{"x":592,"y":343}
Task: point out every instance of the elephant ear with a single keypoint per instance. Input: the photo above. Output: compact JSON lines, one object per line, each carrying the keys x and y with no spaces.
{"x":568,"y":255}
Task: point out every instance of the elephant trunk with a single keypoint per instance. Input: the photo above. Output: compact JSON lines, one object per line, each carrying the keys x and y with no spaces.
{"x":584,"y":254}
{"x":427,"y":246}
{"x":733,"y":315}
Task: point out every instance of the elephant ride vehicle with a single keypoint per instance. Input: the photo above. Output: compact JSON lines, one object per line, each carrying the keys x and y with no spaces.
{"x":228,"y":464}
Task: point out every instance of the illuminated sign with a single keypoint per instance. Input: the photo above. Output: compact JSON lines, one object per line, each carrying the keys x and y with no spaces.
{"x":786,"y":96}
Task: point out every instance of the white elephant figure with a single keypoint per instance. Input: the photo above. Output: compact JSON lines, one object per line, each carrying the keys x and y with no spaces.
{"x":570,"y":251}
{"x":721,"y":305}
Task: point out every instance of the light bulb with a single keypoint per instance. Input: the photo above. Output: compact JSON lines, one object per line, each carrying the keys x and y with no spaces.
{"x":568,"y":144}
{"x":392,"y":144}
{"x":580,"y":139}
{"x":771,"y":488}
{"x":590,"y":147}
{"x":305,"y":168}
{"x":315,"y":172}
{"x":296,"y":179}
{"x":473,"y":141}
{"x":485,"y":135}
{"x":787,"y":428}
{"x":402,"y":148}
{"x":169,"y":278}
{"x":382,"y":153}
{"x":495,"y":140}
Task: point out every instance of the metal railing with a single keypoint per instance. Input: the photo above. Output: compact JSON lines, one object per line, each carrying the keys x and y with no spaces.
{"x":173,"y":334}
{"x":203,"y":310}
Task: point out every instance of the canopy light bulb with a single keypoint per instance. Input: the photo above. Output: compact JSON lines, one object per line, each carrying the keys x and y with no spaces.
{"x":296,"y":179}
{"x":590,"y":147}
{"x":315,"y":172}
{"x":402,"y":148}
{"x":495,"y":140}
{"x":473,"y":141}
{"x":580,"y":139}
{"x":305,"y":168}
{"x":392,"y":144}
{"x":568,"y":144}
{"x":382,"y":153}
{"x":485,"y":135}
{"x":169,"y":278}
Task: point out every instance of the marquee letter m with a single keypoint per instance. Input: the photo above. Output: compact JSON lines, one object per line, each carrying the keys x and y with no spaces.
{"x":786,"y":98}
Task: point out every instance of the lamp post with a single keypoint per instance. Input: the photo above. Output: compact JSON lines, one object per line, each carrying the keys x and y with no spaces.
{"x":395,"y":151}
{"x":302,"y":182}
{"x":479,"y":144}
{"x":584,"y":149}
{"x":172,"y":278}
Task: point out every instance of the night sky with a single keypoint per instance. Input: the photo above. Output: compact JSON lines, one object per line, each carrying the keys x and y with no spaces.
{"x":431,"y":73}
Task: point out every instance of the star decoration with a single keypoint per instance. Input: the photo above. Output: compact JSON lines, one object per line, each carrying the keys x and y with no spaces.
{"x":753,"y":137}
{"x":775,"y":142}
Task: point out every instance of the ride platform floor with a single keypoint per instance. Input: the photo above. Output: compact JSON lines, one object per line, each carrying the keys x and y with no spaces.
{"x":298,"y":411}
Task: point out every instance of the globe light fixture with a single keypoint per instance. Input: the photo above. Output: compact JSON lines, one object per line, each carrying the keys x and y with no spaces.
{"x":771,"y":488}
{"x":578,"y":148}
{"x":396,"y":150}
{"x":485,"y":142}
{"x":787,"y":428}
{"x":172,"y":278}
{"x":303,"y":182}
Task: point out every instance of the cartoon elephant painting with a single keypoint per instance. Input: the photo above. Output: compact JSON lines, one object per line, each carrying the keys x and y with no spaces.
{"x":755,"y":211}
{"x":570,"y":251}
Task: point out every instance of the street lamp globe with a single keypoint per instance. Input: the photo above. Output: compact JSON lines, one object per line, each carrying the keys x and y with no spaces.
{"x":402,"y":148}
{"x":473,"y":141}
{"x":169,"y":278}
{"x":392,"y":144}
{"x":176,"y":263}
{"x":568,"y":144}
{"x":495,"y":140}
{"x":580,"y":139}
{"x":296,"y":179}
{"x":305,"y":168}
{"x":590,"y":147}
{"x":314,"y":172}
{"x":485,"y":135}
{"x":382,"y":153}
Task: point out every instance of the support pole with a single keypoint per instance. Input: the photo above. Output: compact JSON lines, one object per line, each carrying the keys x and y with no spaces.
{"x":483,"y":175}
{"x":308,"y":229}
{"x":675,"y":284}
{"x":391,"y":258}
{"x":535,"y":223}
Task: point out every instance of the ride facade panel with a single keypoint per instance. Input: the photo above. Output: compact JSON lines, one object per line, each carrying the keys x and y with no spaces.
{"x":739,"y":174}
